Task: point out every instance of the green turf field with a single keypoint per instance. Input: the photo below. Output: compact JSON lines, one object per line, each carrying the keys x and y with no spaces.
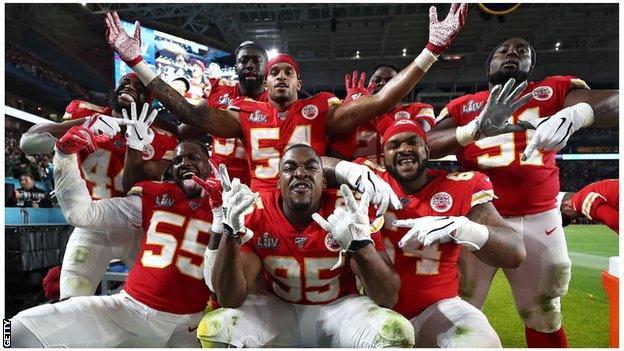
{"x":585,"y":307}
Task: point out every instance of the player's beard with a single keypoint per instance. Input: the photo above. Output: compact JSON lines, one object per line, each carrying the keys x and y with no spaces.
{"x":250,"y":85}
{"x":300,"y":205}
{"x":502,"y":76}
{"x":407,"y":178}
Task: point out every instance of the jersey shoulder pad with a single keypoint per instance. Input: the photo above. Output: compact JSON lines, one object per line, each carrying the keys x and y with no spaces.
{"x":79,"y":109}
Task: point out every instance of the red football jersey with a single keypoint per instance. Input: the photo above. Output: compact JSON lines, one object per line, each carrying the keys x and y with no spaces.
{"x":499,"y":156}
{"x":229,"y":151}
{"x":268,"y":132}
{"x":102,"y":169}
{"x":297,"y":261}
{"x":587,"y":200}
{"x":169,"y":272}
{"x":430,"y":274}
{"x":368,"y":136}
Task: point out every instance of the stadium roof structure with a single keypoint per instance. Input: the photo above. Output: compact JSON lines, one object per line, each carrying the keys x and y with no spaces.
{"x":335,"y":38}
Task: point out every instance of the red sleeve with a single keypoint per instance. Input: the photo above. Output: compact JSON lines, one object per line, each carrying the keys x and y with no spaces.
{"x":607,"y":215}
{"x":482,"y":191}
{"x":423,"y":112}
{"x":79,"y":109}
{"x":452,"y":110}
{"x":562,"y":85}
{"x":164,"y":143}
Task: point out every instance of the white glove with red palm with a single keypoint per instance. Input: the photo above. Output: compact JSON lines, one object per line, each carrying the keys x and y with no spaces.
{"x":441,"y":34}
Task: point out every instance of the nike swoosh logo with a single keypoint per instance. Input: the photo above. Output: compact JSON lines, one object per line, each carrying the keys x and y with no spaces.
{"x":193,"y":329}
{"x":548,"y":232}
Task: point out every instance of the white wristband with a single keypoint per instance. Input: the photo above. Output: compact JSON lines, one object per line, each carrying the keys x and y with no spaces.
{"x":585,"y":113}
{"x":466,"y":134}
{"x":217,"y":220}
{"x":472,"y":235}
{"x":145,"y":73}
{"x":425,"y":60}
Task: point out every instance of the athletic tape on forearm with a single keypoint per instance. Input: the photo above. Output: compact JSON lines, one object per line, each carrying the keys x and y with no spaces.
{"x":145,"y":73}
{"x":472,"y":235}
{"x":39,"y":143}
{"x":466,"y":134}
{"x":217,"y":220}
{"x":209,"y":259}
{"x":425,"y":60}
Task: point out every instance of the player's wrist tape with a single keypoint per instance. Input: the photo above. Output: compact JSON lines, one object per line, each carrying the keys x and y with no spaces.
{"x":143,"y":71}
{"x":583,"y":114}
{"x":425,"y":60}
{"x":472,"y":235}
{"x":210,"y":256}
{"x":217,"y":220}
{"x":466,"y":134}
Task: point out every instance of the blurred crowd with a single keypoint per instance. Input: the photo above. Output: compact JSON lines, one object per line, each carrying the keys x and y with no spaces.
{"x":16,"y":163}
{"x":43,"y":70}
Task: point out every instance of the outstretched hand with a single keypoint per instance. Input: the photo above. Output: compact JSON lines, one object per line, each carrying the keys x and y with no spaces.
{"x":442,"y":33}
{"x":128,"y":47}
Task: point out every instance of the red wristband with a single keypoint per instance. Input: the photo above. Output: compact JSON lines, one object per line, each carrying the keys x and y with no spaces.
{"x":434,"y":48}
{"x":135,"y":61}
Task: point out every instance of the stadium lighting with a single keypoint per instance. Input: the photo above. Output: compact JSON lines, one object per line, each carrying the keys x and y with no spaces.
{"x":404,"y":52}
{"x":272,"y":53}
{"x":84,"y":3}
{"x":357,"y":54}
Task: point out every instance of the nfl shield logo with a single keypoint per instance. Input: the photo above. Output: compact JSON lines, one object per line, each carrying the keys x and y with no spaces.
{"x":300,"y":241}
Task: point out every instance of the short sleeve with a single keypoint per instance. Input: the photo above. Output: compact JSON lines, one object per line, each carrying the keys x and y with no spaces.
{"x":482,"y":192}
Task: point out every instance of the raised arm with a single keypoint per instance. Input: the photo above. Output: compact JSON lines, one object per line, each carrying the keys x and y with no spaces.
{"x":139,"y":137}
{"x":213,"y":121}
{"x":73,"y":196}
{"x":345,"y":118}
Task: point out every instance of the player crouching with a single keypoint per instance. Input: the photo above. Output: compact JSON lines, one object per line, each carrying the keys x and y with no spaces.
{"x":165,"y":294}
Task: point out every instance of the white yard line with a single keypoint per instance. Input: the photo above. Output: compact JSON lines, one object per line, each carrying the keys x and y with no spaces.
{"x":589,"y":260}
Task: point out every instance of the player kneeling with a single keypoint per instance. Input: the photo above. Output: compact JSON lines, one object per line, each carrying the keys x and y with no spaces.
{"x":441,"y":212}
{"x":311,"y":301}
{"x":165,"y":294}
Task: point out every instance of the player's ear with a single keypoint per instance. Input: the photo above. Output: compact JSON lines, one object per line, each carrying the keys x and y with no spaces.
{"x":299,"y":84}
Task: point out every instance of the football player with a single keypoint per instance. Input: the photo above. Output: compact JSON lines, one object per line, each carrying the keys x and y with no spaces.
{"x":526,"y":182}
{"x":368,"y":136}
{"x":251,"y":59}
{"x":267,"y":128}
{"x":441,"y":212}
{"x":165,"y":294}
{"x":88,"y":251}
{"x":310,"y":269}
{"x":598,"y":201}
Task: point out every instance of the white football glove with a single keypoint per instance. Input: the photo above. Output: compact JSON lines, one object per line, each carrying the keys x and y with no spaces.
{"x":237,"y":198}
{"x":351,"y":227}
{"x":362,"y":179}
{"x":139,"y":135}
{"x":554,"y":132}
{"x":105,"y":125}
{"x":494,"y":118}
{"x":433,"y":230}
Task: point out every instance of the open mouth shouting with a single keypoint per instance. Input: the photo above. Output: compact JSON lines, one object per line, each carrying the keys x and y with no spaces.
{"x":127,"y":96}
{"x":510,"y":64}
{"x":406,"y":162}
{"x":187,"y":178}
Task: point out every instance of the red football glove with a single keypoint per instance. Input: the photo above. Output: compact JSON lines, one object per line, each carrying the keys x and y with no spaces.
{"x":213,"y":189}
{"x":76,"y":139}
{"x":441,"y":34}
{"x":128,"y":47}
{"x":355,"y":86}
